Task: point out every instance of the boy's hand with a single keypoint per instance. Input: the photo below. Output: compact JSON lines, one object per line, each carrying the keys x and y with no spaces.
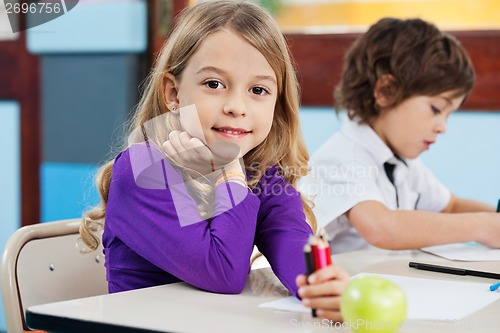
{"x":489,"y":231}
{"x":323,"y":291}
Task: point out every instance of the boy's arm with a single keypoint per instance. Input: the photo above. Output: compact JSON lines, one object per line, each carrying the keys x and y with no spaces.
{"x":404,"y":229}
{"x":459,"y":205}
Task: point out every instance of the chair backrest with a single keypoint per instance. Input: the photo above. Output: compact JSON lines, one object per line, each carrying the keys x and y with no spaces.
{"x":42,"y":264}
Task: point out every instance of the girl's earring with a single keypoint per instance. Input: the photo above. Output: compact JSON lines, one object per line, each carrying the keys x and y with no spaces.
{"x":173,"y":109}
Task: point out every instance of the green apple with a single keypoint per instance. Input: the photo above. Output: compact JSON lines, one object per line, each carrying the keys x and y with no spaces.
{"x":373,"y":304}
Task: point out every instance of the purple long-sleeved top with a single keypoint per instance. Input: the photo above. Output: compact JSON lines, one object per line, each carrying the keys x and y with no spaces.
{"x":146,"y":242}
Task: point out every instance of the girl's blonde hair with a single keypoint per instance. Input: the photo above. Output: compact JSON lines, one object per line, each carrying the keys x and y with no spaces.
{"x":283,"y":146}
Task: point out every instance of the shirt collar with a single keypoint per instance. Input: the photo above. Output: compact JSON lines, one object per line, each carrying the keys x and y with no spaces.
{"x":366,"y":137}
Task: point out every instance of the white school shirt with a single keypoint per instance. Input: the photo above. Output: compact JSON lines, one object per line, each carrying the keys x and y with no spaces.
{"x":349,"y":168}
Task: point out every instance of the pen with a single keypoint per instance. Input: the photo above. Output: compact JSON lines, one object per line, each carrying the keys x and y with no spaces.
{"x":322,"y":256}
{"x":309,"y":254}
{"x":495,"y":286}
{"x":313,"y":242}
{"x":453,"y":270}
{"x":309,"y":260}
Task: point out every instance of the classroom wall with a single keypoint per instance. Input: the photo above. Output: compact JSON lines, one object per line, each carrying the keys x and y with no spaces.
{"x":467,"y":157}
{"x":86,"y":101}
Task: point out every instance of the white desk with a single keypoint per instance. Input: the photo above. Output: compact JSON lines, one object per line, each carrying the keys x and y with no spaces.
{"x":182,"y":308}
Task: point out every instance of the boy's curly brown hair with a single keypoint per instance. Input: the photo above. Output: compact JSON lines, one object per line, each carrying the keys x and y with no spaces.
{"x":412,"y":56}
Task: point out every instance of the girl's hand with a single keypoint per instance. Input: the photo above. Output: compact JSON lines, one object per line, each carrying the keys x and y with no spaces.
{"x":193,"y":154}
{"x":323,"y":291}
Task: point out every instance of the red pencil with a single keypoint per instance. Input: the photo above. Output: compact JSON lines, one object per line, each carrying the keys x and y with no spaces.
{"x":322,"y":258}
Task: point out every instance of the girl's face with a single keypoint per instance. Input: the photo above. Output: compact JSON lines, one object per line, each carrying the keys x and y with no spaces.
{"x":227,"y":92}
{"x":412,"y":127}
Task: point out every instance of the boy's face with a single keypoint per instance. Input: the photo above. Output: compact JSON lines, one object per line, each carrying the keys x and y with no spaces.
{"x":234,"y":90}
{"x":412,"y":127}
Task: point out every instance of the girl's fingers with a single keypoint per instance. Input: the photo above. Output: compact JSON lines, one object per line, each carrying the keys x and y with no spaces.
{"x":194,"y":148}
{"x":186,"y":146}
{"x":301,"y":280}
{"x":328,"y":273}
{"x":194,"y":154}
{"x":332,"y":287}
{"x":196,"y":143}
{"x":323,"y":303}
{"x":185,"y":140}
{"x":169,"y":149}
{"x":200,"y":149}
{"x":224,"y":153}
{"x":174,"y":138}
{"x":199,"y":155}
{"x":329,"y":314}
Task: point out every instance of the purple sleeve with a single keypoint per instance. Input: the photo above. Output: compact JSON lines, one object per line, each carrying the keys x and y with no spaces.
{"x":212,"y":255}
{"x":282,"y":229}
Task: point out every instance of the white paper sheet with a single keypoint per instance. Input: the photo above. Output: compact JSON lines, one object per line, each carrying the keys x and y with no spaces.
{"x":464,"y":252}
{"x":290,"y":303}
{"x":427,"y":299}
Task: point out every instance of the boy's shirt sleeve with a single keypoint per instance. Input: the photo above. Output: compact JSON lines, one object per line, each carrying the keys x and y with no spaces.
{"x":337,"y":184}
{"x":282,"y":229}
{"x":212,"y":255}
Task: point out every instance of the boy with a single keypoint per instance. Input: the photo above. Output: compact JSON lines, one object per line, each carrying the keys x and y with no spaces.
{"x":401,"y":81}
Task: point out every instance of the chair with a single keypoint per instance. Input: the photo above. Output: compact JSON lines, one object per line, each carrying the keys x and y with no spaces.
{"x":42,"y":264}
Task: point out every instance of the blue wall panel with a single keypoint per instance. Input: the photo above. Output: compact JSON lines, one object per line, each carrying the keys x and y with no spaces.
{"x":86,"y":101}
{"x":93,"y":27}
{"x":10,"y":186}
{"x":317,"y":125}
{"x":67,"y":190}
{"x":467,"y":157}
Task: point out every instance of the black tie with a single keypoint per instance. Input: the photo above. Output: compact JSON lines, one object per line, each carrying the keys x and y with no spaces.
{"x":389,"y":171}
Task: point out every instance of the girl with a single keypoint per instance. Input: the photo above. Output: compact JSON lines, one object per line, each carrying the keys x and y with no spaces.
{"x":401,"y":81}
{"x":176,"y":201}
